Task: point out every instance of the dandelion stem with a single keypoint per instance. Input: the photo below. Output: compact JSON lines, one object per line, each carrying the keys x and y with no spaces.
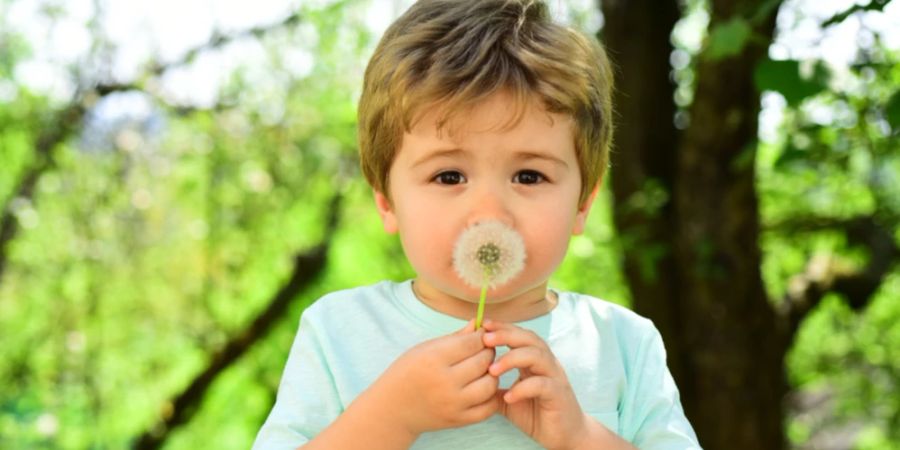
{"x":480,"y":315}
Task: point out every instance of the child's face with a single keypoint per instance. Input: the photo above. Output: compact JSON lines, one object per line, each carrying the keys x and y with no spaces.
{"x":526,"y":177}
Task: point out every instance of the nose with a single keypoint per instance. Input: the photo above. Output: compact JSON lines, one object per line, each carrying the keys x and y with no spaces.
{"x":490,"y":203}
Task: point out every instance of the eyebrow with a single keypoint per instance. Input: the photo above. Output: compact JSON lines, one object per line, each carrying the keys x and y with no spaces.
{"x":444,"y":153}
{"x":525,"y":155}
{"x":529,"y":155}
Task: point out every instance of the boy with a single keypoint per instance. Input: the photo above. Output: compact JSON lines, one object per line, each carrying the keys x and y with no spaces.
{"x":474,"y":112}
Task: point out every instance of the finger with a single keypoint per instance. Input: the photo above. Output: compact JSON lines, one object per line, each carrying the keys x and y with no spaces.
{"x":457,"y":347}
{"x":532,"y":387}
{"x":473,"y":366}
{"x":479,"y":390}
{"x":535,"y":360}
{"x":483,"y":410}
{"x":513,"y":337}
{"x":491,"y":324}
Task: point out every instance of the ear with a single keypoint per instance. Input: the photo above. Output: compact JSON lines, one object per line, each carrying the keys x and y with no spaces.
{"x":583,"y":211}
{"x":386,"y":211}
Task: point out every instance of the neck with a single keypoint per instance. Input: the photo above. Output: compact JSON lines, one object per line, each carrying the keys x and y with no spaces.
{"x":528,"y":305}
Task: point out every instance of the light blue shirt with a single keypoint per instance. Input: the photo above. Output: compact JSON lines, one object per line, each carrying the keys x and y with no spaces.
{"x":614,"y":359}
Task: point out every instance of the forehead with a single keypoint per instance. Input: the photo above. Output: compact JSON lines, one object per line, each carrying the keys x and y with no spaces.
{"x":500,"y":114}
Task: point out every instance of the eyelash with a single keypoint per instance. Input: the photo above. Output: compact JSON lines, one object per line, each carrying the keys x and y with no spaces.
{"x":437,"y":178}
{"x":462,"y":178}
{"x":540,"y":177}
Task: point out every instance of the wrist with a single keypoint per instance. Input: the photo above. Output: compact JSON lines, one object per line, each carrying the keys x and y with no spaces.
{"x":377,"y":405}
{"x":597,"y":436}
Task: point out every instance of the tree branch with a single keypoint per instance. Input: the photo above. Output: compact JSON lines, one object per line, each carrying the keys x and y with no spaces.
{"x":181,"y":408}
{"x":824,"y":273}
{"x":874,"y":5}
{"x":218,"y":40}
{"x":53,"y":133}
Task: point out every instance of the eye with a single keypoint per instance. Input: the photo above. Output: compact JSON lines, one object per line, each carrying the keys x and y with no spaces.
{"x":528,"y":177}
{"x":449,"y":177}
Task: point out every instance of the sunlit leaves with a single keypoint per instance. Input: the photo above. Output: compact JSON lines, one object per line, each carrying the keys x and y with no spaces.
{"x":837,"y":158}
{"x":147,"y":256}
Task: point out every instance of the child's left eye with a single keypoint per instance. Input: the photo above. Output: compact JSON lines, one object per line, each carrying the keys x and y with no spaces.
{"x":529,"y":177}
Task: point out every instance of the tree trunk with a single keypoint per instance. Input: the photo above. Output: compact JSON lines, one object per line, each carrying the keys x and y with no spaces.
{"x":692,"y":260}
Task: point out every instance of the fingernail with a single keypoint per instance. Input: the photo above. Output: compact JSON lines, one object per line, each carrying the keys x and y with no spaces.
{"x":494,"y":367}
{"x":489,"y":337}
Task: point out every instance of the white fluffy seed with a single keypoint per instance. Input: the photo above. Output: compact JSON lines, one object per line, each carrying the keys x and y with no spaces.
{"x":486,"y":238}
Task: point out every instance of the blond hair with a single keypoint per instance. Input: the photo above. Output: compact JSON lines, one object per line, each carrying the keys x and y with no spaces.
{"x":456,"y":53}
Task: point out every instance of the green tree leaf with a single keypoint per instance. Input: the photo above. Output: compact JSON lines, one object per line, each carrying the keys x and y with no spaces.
{"x":728,"y":38}
{"x":892,"y":111}
{"x":785,"y":78}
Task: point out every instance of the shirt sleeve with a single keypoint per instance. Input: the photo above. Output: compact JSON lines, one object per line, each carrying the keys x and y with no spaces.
{"x":652,"y":415}
{"x":307,"y":399}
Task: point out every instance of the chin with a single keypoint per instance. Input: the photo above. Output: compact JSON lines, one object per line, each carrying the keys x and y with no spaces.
{"x":502,"y":293}
{"x":452,"y":285}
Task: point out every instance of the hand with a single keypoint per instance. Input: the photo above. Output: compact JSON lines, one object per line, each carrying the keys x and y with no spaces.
{"x":440,"y":383}
{"x":541,"y":403}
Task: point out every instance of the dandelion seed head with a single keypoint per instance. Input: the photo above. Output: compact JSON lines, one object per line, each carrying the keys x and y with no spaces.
{"x":488,"y":249}
{"x":488,"y":255}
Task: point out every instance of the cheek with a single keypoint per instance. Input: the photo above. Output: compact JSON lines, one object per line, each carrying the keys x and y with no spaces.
{"x":423,"y":246}
{"x":549,"y":241}
{"x":427,"y":235}
{"x":550,"y":247}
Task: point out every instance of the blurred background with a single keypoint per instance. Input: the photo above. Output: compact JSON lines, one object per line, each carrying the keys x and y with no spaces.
{"x":178,"y":181}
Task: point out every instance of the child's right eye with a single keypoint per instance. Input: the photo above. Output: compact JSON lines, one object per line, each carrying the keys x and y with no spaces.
{"x":449,"y":177}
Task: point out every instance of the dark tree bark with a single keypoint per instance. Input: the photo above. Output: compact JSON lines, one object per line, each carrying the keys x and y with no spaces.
{"x":737,"y":342}
{"x":704,"y":290}
{"x":644,"y":155}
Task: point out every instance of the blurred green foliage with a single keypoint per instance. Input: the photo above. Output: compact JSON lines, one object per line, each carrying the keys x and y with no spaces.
{"x":837,"y":158}
{"x":150,"y":241}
